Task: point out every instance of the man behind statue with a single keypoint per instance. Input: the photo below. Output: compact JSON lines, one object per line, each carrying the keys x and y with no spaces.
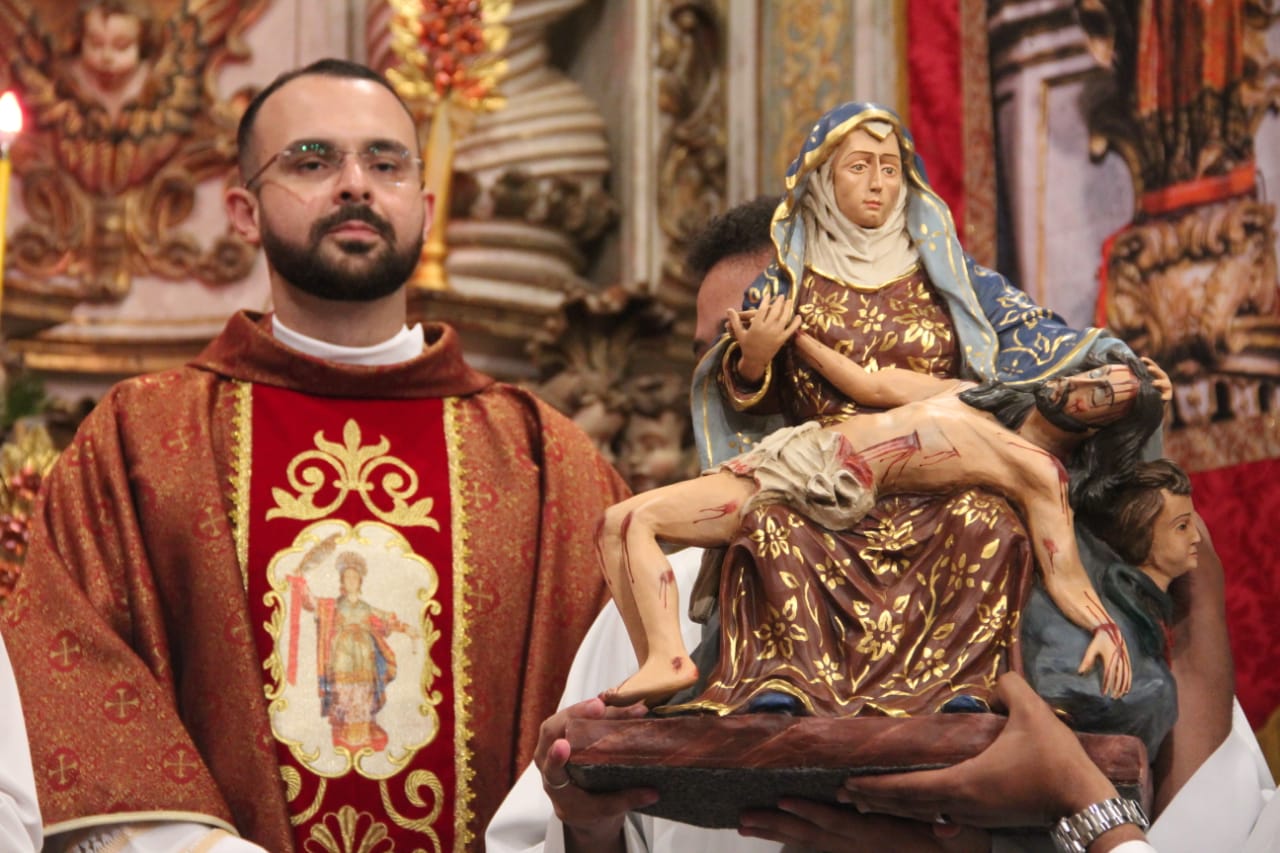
{"x":326,"y":507}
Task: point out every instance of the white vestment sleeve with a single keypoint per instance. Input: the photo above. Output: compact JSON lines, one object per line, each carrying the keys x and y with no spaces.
{"x":19,"y":812}
{"x":1265,"y":837}
{"x":525,"y":821}
{"x":1218,"y":806}
{"x":158,"y":837}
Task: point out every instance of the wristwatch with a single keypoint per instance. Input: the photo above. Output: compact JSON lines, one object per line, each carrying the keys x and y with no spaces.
{"x":1074,"y":834}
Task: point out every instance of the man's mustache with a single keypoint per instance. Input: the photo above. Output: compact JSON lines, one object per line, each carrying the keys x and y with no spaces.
{"x":353,"y":213}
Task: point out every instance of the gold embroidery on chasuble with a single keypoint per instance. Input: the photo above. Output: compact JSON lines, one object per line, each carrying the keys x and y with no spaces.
{"x":346,"y":532}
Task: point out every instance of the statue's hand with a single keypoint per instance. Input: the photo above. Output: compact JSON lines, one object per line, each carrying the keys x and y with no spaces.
{"x":1159,"y":379}
{"x":762,"y":333}
{"x":1108,"y":646}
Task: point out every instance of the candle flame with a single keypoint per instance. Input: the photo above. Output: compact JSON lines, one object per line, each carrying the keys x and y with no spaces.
{"x":10,"y":115}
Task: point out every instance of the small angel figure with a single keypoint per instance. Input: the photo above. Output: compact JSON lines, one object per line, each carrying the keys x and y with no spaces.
{"x":115,"y":41}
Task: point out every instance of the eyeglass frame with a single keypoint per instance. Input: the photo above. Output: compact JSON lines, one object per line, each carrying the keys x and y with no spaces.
{"x":345,"y":152}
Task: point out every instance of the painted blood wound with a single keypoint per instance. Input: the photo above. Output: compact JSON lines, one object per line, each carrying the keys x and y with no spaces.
{"x":712,"y":513}
{"x":665,"y":582}
{"x":1052,"y":548}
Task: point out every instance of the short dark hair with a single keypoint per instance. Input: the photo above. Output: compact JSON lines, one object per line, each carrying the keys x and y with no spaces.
{"x":741,"y":230}
{"x":341,"y":68}
{"x":1128,"y":525}
{"x":1102,"y":461}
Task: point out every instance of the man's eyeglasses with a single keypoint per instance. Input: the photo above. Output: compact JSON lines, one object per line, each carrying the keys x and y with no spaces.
{"x":315,"y":162}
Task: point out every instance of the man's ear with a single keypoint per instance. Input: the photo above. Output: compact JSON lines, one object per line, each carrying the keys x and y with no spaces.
{"x":428,"y":201}
{"x":242,"y":212}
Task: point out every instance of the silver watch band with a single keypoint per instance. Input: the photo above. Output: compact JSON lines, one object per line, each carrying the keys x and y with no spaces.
{"x":1074,"y":834}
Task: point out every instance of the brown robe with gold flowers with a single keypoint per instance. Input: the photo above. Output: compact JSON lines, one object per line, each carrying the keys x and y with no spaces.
{"x":916,"y":604}
{"x":153,"y":619}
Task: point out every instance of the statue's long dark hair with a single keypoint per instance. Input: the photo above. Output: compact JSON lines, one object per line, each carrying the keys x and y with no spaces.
{"x":1101,"y":462}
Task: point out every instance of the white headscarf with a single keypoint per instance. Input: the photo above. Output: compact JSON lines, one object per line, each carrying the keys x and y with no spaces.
{"x":837,"y":247}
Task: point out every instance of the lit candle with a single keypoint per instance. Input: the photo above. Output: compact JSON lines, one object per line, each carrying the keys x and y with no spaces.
{"x":10,"y":127}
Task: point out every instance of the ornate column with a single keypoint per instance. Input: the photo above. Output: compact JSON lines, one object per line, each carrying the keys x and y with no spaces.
{"x":1061,"y":204}
{"x":1191,"y":280}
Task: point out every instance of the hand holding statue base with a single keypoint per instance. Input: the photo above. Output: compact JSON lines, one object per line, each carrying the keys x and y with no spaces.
{"x":708,"y":770}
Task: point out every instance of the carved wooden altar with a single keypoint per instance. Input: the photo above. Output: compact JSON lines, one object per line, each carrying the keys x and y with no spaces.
{"x":110,"y":169}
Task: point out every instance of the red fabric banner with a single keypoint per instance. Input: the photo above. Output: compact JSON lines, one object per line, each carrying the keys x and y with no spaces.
{"x":936,"y":107}
{"x":1239,"y":504}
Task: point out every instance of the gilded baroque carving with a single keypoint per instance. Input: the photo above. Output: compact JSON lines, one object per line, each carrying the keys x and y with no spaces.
{"x":118,"y":145}
{"x":692,"y":159}
{"x":1201,"y":285}
{"x":25,"y":459}
{"x":1192,"y":281}
{"x":599,"y":358}
{"x":810,"y":65}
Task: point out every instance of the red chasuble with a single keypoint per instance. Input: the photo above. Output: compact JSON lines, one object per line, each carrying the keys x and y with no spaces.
{"x":326,"y":607}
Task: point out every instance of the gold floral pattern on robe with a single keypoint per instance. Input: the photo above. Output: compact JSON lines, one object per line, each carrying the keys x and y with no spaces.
{"x":915,"y":605}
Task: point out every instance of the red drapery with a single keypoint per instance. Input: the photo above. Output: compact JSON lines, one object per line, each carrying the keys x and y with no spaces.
{"x":935,"y":112}
{"x":1240,"y":505}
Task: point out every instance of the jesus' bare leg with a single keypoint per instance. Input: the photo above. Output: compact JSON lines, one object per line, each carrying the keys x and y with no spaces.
{"x":705,"y":511}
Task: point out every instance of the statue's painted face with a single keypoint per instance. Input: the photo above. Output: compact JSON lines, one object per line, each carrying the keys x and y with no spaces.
{"x":1099,"y":396}
{"x":1175,"y":538}
{"x":868,"y":177}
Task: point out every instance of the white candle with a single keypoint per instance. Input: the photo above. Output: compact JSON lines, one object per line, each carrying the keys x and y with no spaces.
{"x":10,"y":127}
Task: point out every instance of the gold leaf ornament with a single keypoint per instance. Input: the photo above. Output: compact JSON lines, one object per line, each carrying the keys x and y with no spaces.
{"x":352,"y":467}
{"x":449,"y":52}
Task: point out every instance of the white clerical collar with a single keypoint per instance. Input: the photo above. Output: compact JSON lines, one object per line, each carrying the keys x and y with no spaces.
{"x":402,"y":346}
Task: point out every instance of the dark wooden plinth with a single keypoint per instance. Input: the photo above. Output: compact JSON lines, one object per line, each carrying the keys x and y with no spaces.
{"x":708,"y":769}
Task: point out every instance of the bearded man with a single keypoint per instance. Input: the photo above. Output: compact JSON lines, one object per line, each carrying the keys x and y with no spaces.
{"x":180,"y":689}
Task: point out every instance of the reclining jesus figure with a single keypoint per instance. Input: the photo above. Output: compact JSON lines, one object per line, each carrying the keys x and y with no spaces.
{"x":1046,"y":448}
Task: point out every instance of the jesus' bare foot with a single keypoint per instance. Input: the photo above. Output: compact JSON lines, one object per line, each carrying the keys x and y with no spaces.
{"x":656,"y":682}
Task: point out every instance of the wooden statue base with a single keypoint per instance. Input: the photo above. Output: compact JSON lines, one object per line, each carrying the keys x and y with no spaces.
{"x":708,"y":769}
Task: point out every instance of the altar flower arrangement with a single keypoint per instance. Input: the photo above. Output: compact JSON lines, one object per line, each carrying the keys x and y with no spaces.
{"x":450,"y":65}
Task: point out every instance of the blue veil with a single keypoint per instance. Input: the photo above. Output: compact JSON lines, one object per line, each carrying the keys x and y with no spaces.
{"x":1001,"y":333}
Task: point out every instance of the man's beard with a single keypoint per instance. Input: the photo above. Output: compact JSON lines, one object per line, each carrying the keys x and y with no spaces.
{"x":308,"y":270}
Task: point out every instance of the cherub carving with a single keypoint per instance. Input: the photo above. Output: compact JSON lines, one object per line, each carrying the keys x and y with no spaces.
{"x":124,"y":123}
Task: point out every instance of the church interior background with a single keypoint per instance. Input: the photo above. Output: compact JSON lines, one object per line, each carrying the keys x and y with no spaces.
{"x":1111,"y":156}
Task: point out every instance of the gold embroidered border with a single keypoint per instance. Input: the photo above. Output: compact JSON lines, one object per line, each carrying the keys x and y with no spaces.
{"x":463,"y":836}
{"x":862,"y":286}
{"x":241,"y":466}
